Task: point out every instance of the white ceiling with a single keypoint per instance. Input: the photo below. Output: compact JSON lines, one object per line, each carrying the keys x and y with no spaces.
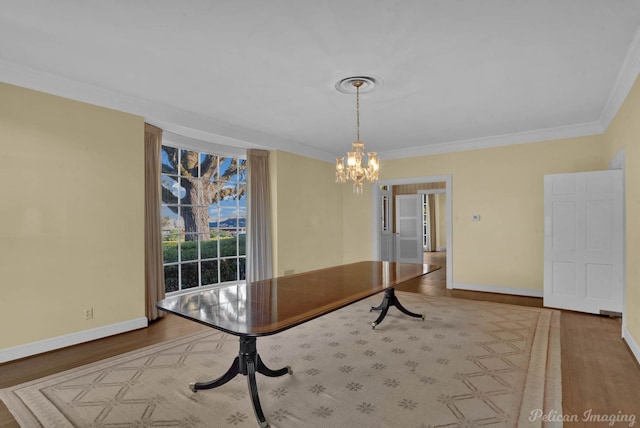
{"x":456,"y":74}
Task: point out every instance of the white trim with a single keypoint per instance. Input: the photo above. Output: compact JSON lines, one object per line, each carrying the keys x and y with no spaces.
{"x":618,"y":162}
{"x":527,"y":292}
{"x":631,"y":342}
{"x":53,"y":343}
{"x":535,"y":136}
{"x":182,"y":142}
{"x":432,"y":191}
{"x":626,"y":78}
{"x":377,"y":213}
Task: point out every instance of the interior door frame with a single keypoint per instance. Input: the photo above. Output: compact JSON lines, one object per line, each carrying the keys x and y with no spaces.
{"x":376,"y":202}
{"x":619,"y":162}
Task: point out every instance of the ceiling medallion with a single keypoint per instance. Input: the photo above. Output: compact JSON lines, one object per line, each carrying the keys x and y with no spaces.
{"x":346,"y":85}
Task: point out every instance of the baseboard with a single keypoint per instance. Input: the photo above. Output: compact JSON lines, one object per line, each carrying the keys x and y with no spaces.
{"x":631,"y":342}
{"x":47,"y":345}
{"x":498,"y":289}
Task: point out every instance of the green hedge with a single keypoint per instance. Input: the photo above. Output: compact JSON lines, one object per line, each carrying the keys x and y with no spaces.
{"x":209,"y":268}
{"x":209,"y":249}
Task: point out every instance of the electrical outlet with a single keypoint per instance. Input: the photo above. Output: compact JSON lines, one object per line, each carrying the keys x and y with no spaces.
{"x":88,"y":314}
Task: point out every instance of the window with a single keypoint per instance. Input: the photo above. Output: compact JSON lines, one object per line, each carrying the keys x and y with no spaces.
{"x":203,"y":218}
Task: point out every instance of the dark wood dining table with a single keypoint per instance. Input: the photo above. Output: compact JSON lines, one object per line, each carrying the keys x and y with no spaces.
{"x":253,"y":309}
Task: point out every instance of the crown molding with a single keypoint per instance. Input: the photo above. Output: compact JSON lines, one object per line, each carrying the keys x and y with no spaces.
{"x":557,"y":133}
{"x":626,"y":78}
{"x":198,"y":127}
{"x":173,"y":120}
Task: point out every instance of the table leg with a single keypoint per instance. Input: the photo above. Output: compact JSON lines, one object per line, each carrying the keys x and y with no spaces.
{"x":230,"y":374}
{"x":248,"y":362}
{"x":253,"y":391}
{"x":269,"y":372}
{"x":389,"y":300}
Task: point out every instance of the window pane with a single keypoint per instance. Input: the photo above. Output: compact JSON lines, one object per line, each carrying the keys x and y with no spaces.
{"x":227,"y":169}
{"x":228,"y":243}
{"x":189,"y":275}
{"x":172,"y":223}
{"x":171,"y":189}
{"x":243,"y":268}
{"x":209,"y":248}
{"x":208,"y":166}
{"x":228,"y":191}
{"x":228,"y":270}
{"x":170,"y":278}
{"x":190,"y":162}
{"x":169,"y":160}
{"x":242,"y":247}
{"x":190,"y":191}
{"x":189,"y":248}
{"x":229,"y":214}
{"x":209,"y":272}
{"x":170,"y":251}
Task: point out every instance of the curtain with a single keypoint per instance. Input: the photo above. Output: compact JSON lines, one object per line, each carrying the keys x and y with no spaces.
{"x":154,"y":272}
{"x":259,"y":260}
{"x":431,"y":202}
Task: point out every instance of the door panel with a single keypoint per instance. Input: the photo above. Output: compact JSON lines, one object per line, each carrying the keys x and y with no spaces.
{"x":409,"y":229}
{"x":583,"y":245}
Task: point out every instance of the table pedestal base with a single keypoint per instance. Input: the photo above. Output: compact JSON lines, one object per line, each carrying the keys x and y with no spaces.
{"x":390,"y":299}
{"x":248,"y":362}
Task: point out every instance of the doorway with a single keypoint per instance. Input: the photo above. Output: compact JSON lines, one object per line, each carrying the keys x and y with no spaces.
{"x":383,"y":212}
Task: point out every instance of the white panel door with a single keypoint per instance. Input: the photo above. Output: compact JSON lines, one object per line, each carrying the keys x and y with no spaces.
{"x":409,"y":229}
{"x":583,"y":241}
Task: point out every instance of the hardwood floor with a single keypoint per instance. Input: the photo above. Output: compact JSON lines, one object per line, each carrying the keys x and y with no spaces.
{"x":599,"y":373}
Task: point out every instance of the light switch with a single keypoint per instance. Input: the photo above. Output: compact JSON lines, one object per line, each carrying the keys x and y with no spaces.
{"x":475,"y":217}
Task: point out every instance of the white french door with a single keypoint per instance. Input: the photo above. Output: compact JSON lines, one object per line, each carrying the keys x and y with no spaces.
{"x":409,"y":229}
{"x":583,"y":241}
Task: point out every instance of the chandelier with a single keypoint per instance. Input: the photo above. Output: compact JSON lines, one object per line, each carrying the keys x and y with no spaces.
{"x":354,"y":169}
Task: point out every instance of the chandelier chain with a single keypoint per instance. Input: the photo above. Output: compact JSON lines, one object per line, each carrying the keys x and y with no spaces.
{"x":357,"y":112}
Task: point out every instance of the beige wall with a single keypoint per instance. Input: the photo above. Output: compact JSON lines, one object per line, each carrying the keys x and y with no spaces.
{"x":624,"y":133}
{"x":357,"y":243}
{"x":71,"y":216}
{"x":505,"y":187}
{"x":307,"y":214}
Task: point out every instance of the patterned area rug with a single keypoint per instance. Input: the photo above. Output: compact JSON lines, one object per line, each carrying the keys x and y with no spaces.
{"x":468,"y":364}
